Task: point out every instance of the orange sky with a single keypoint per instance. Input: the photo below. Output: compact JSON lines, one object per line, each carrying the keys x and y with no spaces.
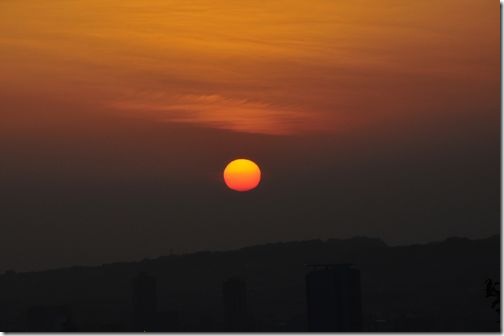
{"x":273,"y":67}
{"x":370,"y":118}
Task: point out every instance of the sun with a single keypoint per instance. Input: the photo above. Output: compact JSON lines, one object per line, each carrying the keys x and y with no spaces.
{"x":242,"y":175}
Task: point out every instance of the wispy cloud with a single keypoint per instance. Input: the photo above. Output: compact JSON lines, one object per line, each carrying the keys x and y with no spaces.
{"x":213,"y":110}
{"x":260,"y":67}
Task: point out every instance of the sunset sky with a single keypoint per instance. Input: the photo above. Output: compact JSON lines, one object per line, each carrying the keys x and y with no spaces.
{"x":375,"y":118}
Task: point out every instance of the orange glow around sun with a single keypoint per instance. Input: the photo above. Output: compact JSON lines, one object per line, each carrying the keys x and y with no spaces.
{"x":242,"y":175}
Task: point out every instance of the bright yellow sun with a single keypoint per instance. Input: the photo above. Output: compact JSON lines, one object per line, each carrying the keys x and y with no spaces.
{"x":242,"y":175}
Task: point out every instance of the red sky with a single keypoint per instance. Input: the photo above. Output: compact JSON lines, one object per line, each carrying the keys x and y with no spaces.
{"x":276,"y":67}
{"x":377,"y":118}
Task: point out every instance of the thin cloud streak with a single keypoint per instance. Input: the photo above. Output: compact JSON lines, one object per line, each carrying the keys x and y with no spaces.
{"x":213,"y":110}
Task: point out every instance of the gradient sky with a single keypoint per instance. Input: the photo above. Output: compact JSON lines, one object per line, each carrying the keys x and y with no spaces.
{"x":376,"y":118}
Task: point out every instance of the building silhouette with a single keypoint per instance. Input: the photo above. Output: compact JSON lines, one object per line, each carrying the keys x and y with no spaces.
{"x":144,"y":302}
{"x":234,"y":292}
{"x":333,"y":298}
{"x":49,"y":319}
{"x":167,"y":321}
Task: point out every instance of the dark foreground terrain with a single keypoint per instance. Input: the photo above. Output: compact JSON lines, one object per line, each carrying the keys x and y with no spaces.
{"x":438,"y":286}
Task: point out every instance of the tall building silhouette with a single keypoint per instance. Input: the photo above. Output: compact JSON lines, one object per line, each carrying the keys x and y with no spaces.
{"x":334,"y":298}
{"x":234,"y":291}
{"x":144,"y":302}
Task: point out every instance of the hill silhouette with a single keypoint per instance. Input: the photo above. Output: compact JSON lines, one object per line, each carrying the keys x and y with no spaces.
{"x":438,"y":286}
